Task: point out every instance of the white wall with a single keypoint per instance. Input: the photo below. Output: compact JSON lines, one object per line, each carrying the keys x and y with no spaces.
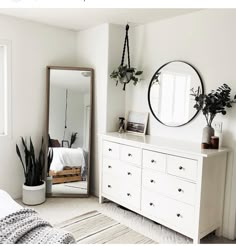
{"x":34,"y":46}
{"x":101,"y":48}
{"x":205,"y":39}
{"x":92,"y":51}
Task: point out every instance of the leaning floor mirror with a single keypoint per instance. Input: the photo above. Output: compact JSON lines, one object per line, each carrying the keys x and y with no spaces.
{"x":69,"y":130}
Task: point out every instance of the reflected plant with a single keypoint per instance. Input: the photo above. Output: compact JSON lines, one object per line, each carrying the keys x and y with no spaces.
{"x":73,"y":138}
{"x":156,"y":78}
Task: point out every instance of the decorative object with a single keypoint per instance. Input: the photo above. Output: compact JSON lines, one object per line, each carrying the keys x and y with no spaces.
{"x":215,"y":142}
{"x":169,"y":92}
{"x":121,"y":125}
{"x":65,"y":143}
{"x":166,"y":180}
{"x":125,"y":73}
{"x":211,"y":104}
{"x":73,"y":138}
{"x":207,"y":133}
{"x":137,"y":123}
{"x":49,"y":177}
{"x":34,"y":186}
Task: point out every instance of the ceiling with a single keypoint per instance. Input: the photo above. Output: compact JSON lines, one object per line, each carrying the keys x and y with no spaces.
{"x":84,"y":18}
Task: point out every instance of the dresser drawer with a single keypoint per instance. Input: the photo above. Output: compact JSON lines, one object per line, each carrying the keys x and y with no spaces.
{"x":110,"y":186}
{"x":131,"y":154}
{"x":182,"y":167}
{"x":153,"y":205}
{"x":181,"y":190}
{"x":130,"y":174}
{"x":173,"y":212}
{"x":130,"y":195}
{"x":155,"y":181}
{"x":111,"y":149}
{"x":180,"y":215}
{"x":111,"y":166}
{"x":154,"y":160}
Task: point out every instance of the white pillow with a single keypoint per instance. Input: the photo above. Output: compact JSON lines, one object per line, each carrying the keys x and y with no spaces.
{"x":7,"y":204}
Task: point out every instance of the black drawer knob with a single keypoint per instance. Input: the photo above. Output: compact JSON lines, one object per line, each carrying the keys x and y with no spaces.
{"x":109,"y":166}
{"x":109,"y":186}
{"x":151,"y":204}
{"x":128,"y":194}
{"x":129,"y":173}
{"x":110,"y":149}
{"x":153,"y":161}
{"x":152,"y":181}
{"x":129,"y":155}
{"x":181,"y":168}
{"x":178,"y":215}
{"x":180,"y":190}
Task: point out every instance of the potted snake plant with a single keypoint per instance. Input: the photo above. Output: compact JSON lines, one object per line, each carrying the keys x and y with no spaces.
{"x":33,"y":192}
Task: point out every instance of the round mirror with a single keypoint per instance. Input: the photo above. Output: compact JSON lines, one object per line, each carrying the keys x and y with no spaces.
{"x":169,"y":93}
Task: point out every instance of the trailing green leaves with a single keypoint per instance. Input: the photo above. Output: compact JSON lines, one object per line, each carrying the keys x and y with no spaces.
{"x":124,"y":74}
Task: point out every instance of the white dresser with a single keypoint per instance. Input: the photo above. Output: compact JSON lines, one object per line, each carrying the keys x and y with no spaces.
{"x":173,"y":183}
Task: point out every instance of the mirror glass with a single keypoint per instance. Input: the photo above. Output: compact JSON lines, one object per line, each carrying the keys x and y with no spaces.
{"x":169,"y":93}
{"x":69,"y":130}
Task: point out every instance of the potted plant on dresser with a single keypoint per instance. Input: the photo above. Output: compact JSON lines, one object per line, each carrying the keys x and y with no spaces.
{"x":33,"y":192}
{"x":211,"y":104}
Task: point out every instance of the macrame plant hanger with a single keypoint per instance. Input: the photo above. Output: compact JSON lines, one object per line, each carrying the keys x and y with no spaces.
{"x":126,"y":44}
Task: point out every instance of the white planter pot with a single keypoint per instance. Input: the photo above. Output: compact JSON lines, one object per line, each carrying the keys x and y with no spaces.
{"x":49,"y":185}
{"x":34,"y":195}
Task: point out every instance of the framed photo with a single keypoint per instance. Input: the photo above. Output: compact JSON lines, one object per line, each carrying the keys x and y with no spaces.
{"x":65,"y":143}
{"x":137,"y":123}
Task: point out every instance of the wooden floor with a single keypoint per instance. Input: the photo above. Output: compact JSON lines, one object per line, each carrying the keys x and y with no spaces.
{"x":96,"y":228}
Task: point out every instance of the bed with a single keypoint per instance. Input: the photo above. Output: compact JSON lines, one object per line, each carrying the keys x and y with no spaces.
{"x":68,"y":165}
{"x":7,"y":204}
{"x":20,"y":225}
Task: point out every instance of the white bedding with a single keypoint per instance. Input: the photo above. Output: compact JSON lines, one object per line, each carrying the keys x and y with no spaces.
{"x":67,"y":157}
{"x":7,"y":204}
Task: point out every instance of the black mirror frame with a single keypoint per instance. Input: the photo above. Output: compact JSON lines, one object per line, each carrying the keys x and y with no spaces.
{"x":150,"y":85}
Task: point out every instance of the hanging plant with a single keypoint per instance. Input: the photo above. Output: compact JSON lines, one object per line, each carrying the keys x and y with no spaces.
{"x":125,"y":73}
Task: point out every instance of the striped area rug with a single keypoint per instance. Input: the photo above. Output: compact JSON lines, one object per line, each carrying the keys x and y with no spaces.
{"x":96,"y":228}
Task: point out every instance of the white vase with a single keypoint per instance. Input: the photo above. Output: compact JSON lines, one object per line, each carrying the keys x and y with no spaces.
{"x":207,"y":133}
{"x":49,"y":185}
{"x":34,"y":195}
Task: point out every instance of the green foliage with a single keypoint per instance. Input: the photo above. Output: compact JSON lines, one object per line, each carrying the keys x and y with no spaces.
{"x":33,"y":166}
{"x":217,"y":101}
{"x":73,"y":138}
{"x":123,"y":74}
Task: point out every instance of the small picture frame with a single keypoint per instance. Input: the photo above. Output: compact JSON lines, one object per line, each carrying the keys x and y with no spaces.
{"x":65,"y":143}
{"x":137,"y":123}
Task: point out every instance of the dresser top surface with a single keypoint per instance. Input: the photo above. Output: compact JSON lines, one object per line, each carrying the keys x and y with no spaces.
{"x":163,"y":144}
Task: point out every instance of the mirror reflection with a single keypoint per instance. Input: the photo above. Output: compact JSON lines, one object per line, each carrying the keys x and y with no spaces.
{"x":170,"y":91}
{"x":69,"y":130}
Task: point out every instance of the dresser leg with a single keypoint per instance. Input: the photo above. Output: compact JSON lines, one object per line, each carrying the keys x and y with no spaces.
{"x":196,"y":240}
{"x":101,"y":199}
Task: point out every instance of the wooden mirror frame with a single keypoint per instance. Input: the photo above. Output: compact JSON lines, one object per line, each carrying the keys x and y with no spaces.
{"x":90,"y":125}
